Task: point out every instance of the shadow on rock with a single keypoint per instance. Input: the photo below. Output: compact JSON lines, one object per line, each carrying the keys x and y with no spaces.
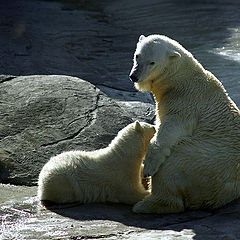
{"x":202,"y":224}
{"x":123,"y":213}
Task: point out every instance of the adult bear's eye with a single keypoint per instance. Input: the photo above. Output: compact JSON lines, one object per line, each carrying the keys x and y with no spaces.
{"x":152,"y":63}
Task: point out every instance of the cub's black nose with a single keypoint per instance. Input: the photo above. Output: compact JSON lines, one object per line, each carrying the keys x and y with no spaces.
{"x":133,"y":77}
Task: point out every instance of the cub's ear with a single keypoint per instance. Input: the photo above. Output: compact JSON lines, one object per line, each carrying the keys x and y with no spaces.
{"x":153,"y":128}
{"x":141,"y":38}
{"x":138,"y":126}
{"x":174,"y":54}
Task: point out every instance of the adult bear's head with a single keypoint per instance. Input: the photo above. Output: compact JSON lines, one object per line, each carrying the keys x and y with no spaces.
{"x":155,"y":59}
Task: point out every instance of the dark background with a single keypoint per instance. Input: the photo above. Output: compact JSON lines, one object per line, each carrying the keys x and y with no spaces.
{"x":95,"y":40}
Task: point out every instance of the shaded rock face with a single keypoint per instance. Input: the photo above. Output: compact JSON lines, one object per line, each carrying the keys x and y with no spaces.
{"x":41,"y":116}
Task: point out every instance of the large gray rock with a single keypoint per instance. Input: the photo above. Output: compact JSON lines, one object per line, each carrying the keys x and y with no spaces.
{"x":41,"y":116}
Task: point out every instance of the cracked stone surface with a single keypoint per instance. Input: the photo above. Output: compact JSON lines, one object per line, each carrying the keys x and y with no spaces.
{"x":22,"y":217}
{"x":41,"y":116}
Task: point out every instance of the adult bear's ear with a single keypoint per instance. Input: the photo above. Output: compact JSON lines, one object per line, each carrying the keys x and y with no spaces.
{"x":138,"y":126}
{"x":141,"y":38}
{"x":174,"y":54}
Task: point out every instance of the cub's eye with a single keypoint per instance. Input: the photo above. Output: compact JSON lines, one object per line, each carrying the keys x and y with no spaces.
{"x":152,"y":63}
{"x":137,"y":56}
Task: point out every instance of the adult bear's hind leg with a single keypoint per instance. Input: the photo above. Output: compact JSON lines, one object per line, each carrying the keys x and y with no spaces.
{"x":155,"y":204}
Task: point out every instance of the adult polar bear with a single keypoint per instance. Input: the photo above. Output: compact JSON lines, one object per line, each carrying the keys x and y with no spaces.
{"x":194,"y":157}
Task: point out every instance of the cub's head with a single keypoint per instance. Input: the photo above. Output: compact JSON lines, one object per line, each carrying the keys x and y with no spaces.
{"x":134,"y":139}
{"x":155,"y":56}
{"x":146,"y":130}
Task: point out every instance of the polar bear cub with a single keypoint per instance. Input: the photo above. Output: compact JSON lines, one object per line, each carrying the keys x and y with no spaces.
{"x":112,"y":174}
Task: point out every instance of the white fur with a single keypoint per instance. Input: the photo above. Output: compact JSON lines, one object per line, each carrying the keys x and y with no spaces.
{"x":194,"y":157}
{"x":111,"y":174}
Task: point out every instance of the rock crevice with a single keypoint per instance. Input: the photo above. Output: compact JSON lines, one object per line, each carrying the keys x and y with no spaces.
{"x":90,"y":116}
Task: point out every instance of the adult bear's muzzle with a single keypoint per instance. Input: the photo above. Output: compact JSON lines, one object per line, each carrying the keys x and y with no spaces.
{"x":133,"y":77}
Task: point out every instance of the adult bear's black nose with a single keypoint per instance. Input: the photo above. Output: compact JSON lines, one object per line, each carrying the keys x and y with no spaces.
{"x":133,"y":77}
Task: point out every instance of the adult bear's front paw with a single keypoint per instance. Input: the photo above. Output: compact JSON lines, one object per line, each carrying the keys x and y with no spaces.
{"x":150,"y":168}
{"x":154,"y":158}
{"x":151,"y":160}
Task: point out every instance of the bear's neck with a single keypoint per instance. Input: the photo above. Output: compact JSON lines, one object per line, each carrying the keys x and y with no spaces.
{"x":159,"y":92}
{"x":158,"y":96}
{"x":176,"y":83}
